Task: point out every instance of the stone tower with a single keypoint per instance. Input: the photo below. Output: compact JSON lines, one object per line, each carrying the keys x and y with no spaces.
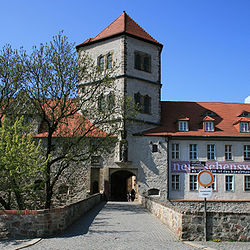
{"x":138,"y":56}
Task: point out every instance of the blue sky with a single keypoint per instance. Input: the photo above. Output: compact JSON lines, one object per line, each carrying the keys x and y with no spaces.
{"x":206,"y":54}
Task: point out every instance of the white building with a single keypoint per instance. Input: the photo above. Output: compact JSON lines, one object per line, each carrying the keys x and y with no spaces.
{"x":168,"y":142}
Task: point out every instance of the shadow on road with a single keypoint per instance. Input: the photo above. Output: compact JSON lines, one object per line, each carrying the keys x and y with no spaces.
{"x":81,"y":226}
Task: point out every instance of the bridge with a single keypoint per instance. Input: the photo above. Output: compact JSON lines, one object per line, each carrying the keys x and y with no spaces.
{"x":115,"y":225}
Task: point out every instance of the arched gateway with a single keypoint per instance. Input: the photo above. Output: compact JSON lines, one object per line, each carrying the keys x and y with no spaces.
{"x":121,"y":182}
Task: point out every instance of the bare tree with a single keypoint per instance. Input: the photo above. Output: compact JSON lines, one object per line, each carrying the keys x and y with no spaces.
{"x":84,"y":119}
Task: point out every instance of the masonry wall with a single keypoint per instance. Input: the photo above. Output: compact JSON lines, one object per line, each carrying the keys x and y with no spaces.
{"x":219,"y":193}
{"x":186,"y":219}
{"x":42,"y":223}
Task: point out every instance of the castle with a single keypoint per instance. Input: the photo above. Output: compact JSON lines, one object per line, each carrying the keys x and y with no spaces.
{"x":168,"y":143}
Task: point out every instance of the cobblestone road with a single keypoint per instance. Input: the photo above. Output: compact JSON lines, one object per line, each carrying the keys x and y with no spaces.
{"x":117,"y":225}
{"x":120,"y":225}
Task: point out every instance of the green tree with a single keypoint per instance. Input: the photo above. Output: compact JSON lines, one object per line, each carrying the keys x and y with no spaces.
{"x":21,"y":167}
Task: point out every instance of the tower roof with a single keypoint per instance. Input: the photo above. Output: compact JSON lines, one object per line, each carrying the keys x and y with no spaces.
{"x":122,"y":25}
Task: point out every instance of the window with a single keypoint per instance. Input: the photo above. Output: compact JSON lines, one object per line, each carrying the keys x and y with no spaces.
{"x":176,"y":182}
{"x":228,"y":152}
{"x":244,"y":127}
{"x":101,"y":103}
{"x":210,"y":152}
{"x":213,"y":186}
{"x":247,"y":182}
{"x":147,"y":104}
{"x":193,"y":184}
{"x":175,"y":151}
{"x":153,"y":191}
{"x":144,"y":103}
{"x":154,"y":148}
{"x":183,"y":126}
{"x":229,"y":183}
{"x":193,"y":151}
{"x":111,"y":100}
{"x":109,"y":61}
{"x":101,"y":62}
{"x":208,"y":126}
{"x":247,"y":152}
{"x":142,"y":61}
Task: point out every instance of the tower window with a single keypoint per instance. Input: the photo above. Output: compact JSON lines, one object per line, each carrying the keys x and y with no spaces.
{"x":154,"y":148}
{"x":101,"y":62}
{"x":144,"y":103}
{"x":142,"y":61}
{"x":109,"y":61}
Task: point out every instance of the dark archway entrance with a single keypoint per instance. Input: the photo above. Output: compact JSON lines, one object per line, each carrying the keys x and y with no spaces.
{"x":121,"y":184}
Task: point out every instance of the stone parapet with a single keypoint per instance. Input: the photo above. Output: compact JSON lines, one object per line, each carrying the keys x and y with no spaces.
{"x":43,"y":223}
{"x":187,"y":220}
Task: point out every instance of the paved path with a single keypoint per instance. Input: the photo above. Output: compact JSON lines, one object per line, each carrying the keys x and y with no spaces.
{"x":119,"y":225}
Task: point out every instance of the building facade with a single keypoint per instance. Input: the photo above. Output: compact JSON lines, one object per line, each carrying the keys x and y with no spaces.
{"x":168,"y":143}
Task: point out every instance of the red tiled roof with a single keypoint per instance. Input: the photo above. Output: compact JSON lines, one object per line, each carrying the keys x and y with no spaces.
{"x":226,"y":115}
{"x":123,"y":24}
{"x":73,"y":125}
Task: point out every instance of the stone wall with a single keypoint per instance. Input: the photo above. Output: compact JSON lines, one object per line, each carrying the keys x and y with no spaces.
{"x":42,"y":223}
{"x":186,"y":219}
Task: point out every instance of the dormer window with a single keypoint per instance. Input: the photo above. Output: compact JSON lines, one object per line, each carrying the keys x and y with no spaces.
{"x":244,"y":127}
{"x":183,"y":125}
{"x":209,"y":126}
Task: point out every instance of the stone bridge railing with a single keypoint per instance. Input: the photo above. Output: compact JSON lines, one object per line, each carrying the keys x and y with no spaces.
{"x":42,"y":223}
{"x":187,"y":222}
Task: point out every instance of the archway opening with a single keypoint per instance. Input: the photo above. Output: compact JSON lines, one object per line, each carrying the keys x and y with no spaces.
{"x":122,"y":183}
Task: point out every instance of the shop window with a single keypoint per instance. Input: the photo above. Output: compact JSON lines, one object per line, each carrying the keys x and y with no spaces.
{"x":228,"y":152}
{"x":175,"y":151}
{"x":210,"y":151}
{"x":142,"y":61}
{"x":175,"y":182}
